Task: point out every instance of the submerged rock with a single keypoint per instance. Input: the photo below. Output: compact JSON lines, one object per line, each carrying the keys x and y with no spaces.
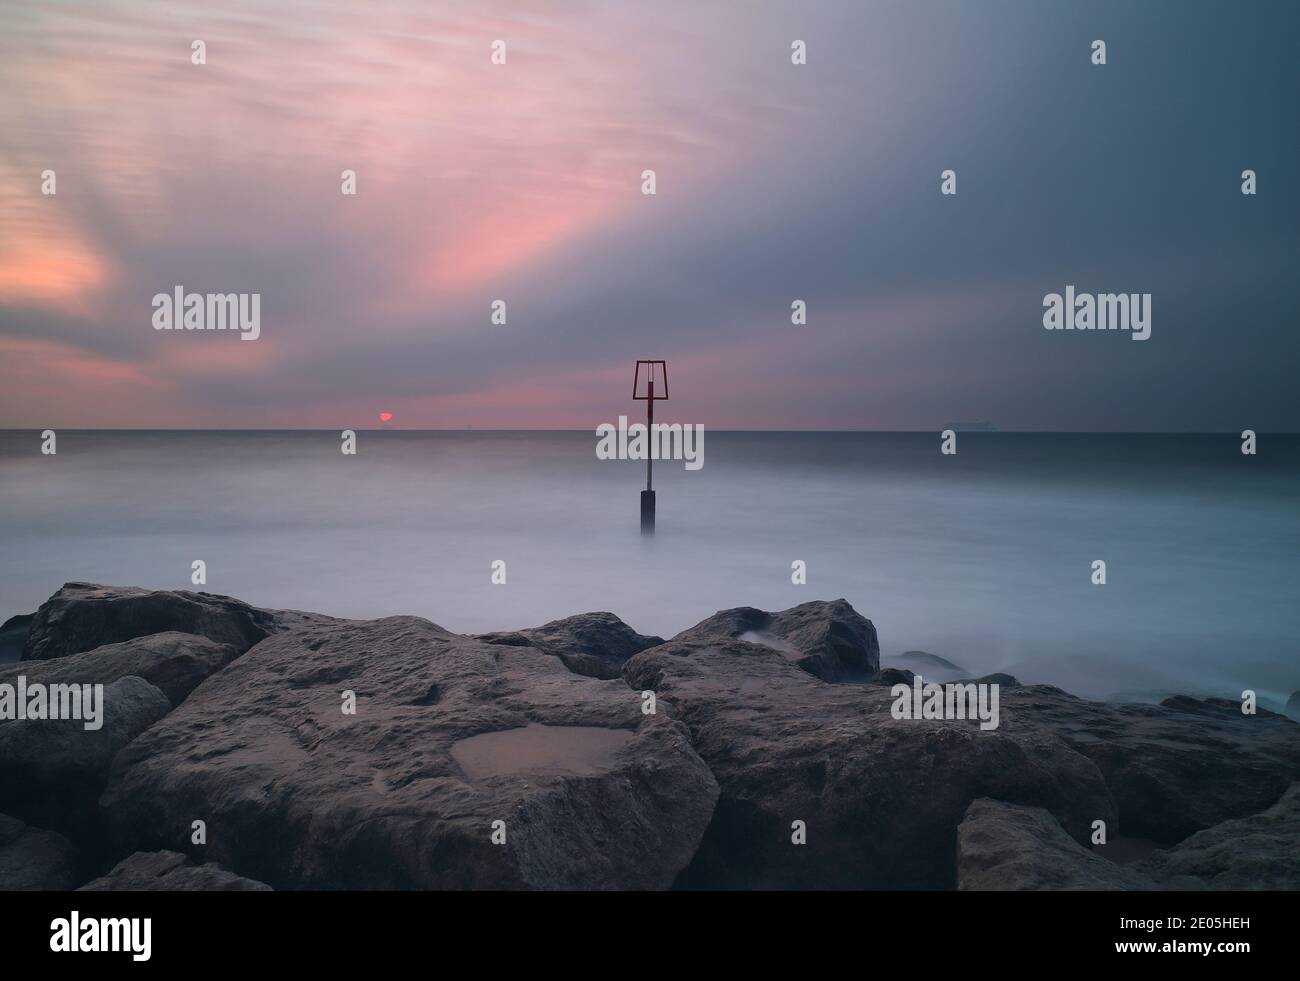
{"x":591,"y":644}
{"x":82,"y":616}
{"x":298,"y":794}
{"x":1004,"y":846}
{"x":829,"y":640}
{"x":170,"y":872}
{"x":33,"y":858}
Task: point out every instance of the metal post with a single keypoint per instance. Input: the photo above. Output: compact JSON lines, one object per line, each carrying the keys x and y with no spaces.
{"x":648,"y":495}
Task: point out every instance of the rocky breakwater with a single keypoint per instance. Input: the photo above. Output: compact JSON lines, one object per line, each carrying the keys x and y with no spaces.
{"x":245,"y":748}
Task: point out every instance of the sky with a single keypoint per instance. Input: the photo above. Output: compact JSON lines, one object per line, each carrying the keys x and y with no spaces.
{"x":522,"y":182}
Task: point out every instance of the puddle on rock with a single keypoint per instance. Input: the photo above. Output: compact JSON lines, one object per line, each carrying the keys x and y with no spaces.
{"x":540,"y":751}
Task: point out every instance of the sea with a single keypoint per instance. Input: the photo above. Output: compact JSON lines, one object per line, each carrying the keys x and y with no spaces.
{"x":985,"y":557}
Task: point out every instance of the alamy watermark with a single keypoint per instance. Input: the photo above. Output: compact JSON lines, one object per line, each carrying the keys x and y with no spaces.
{"x":102,"y":934}
{"x":23,"y":702}
{"x":1100,"y":311}
{"x":179,"y":310}
{"x":657,"y":441}
{"x":956,"y":700}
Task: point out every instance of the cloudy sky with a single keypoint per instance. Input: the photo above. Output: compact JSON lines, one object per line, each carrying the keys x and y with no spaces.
{"x":522,"y":182}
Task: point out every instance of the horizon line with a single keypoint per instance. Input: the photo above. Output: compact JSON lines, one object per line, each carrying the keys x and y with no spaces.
{"x":538,"y":429}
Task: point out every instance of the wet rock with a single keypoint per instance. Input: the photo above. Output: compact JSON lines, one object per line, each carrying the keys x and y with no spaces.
{"x":829,"y":640}
{"x":170,"y":872}
{"x":173,"y":662}
{"x":1261,"y":851}
{"x":1004,"y":846}
{"x":881,"y":798}
{"x":52,"y":770}
{"x":298,"y":794}
{"x":591,"y":644}
{"x":997,"y":678}
{"x":1174,"y":768}
{"x":82,"y":616}
{"x":930,"y":666}
{"x":33,"y":858}
{"x":895,"y":676}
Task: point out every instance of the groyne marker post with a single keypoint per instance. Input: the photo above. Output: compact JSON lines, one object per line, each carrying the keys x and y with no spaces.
{"x":650,"y":397}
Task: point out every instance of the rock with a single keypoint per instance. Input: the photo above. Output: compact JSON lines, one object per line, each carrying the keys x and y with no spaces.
{"x":881,"y":798}
{"x":997,"y":678}
{"x":1174,"y":768}
{"x":1012,"y":847}
{"x":829,"y":640}
{"x":173,"y":662}
{"x":450,"y":735}
{"x":1292,"y":709}
{"x":13,"y":635}
{"x":170,"y":872}
{"x":52,"y":770}
{"x":929,"y":665}
{"x":82,"y":616}
{"x":591,"y":644}
{"x":895,"y":676}
{"x":1257,"y":852}
{"x":32,"y":858}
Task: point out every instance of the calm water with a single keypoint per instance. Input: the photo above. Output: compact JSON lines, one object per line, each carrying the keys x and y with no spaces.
{"x":983,"y":558}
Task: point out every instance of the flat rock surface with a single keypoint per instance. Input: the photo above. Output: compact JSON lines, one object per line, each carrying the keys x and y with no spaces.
{"x":1004,"y":846}
{"x":297,"y":794}
{"x":170,"y":872}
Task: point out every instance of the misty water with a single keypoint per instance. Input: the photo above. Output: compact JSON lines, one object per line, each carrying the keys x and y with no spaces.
{"x":984,"y":558}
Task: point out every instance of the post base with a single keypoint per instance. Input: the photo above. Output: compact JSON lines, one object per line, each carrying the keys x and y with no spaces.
{"x":647,"y":512}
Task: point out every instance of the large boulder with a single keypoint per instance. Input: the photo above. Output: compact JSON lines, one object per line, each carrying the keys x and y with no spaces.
{"x":53,"y":770}
{"x":82,"y":616}
{"x":591,"y":644}
{"x":173,"y":662}
{"x":33,"y":858}
{"x":450,"y":736}
{"x":170,"y":872}
{"x":1004,"y":846}
{"x":829,"y":640}
{"x":1174,"y":768}
{"x":880,"y":798}
{"x":1257,"y":852}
